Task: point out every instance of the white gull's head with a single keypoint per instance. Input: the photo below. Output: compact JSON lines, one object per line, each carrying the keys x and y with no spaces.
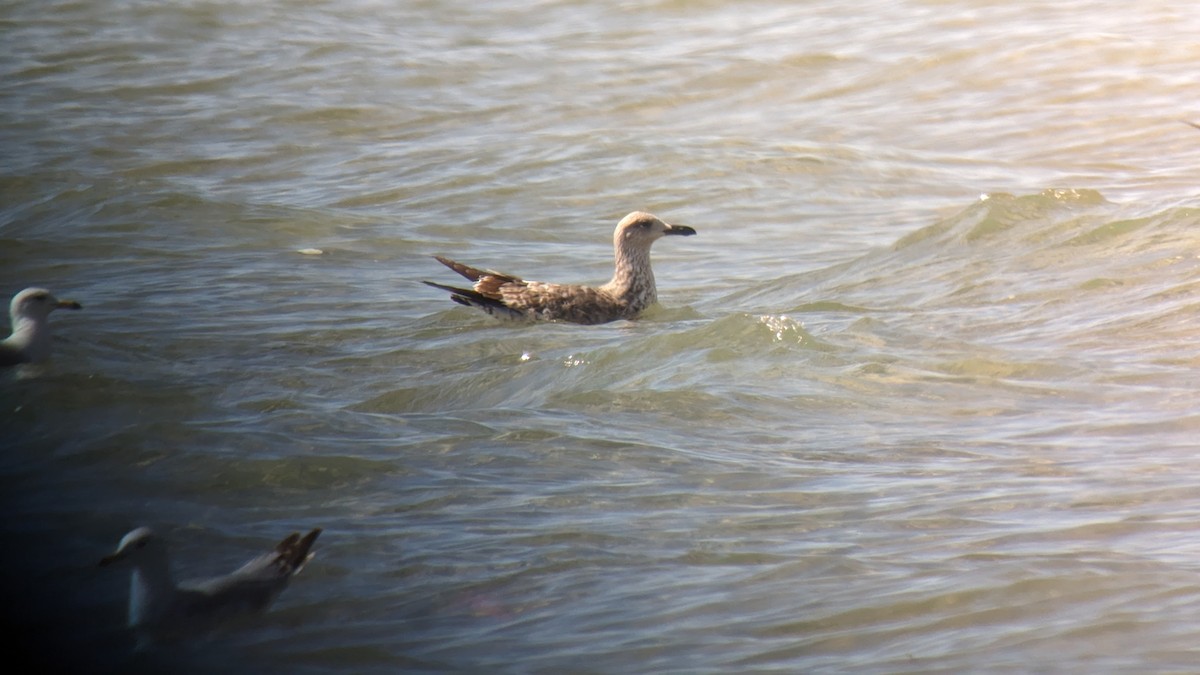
{"x":640,"y":229}
{"x":36,"y":304}
{"x":30,"y":339}
{"x":139,"y":545}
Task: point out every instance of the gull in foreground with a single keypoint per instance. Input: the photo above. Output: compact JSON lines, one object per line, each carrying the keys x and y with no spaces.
{"x":630,"y":291}
{"x":160,"y":608}
{"x":30,"y":339}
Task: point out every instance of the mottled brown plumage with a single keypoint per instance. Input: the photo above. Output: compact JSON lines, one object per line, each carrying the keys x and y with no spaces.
{"x":630,"y":291}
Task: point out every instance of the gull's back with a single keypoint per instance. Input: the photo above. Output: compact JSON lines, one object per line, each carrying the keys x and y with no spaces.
{"x":253,"y":586}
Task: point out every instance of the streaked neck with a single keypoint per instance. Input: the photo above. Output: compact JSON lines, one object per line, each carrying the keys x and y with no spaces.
{"x":632,"y":275}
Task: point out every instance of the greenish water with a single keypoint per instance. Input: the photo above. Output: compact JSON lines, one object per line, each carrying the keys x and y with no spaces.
{"x":919,"y":397}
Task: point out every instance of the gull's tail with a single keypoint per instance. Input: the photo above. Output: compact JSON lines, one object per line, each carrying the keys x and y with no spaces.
{"x":472,"y":298}
{"x":472,"y":273}
{"x":293,"y":552}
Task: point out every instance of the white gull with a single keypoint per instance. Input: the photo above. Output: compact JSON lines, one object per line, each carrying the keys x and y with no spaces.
{"x":630,"y":291}
{"x":159,"y":608}
{"x":30,"y":339}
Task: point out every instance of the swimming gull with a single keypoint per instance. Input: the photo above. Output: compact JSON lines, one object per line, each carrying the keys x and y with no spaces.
{"x":630,"y":291}
{"x":159,"y":608}
{"x":30,"y":339}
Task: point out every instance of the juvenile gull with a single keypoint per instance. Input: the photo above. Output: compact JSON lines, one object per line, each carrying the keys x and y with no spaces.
{"x":159,"y":608}
{"x":630,"y":291}
{"x":30,"y":339}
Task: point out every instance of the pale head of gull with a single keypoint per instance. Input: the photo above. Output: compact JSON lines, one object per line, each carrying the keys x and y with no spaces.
{"x":142,"y":548}
{"x":633,"y":278}
{"x":639,"y":230}
{"x":30,"y":339}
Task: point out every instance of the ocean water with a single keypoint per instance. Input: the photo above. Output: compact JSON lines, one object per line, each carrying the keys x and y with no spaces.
{"x":919,"y":397}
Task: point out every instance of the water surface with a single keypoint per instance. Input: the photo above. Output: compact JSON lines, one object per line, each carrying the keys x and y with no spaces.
{"x":918,"y":398}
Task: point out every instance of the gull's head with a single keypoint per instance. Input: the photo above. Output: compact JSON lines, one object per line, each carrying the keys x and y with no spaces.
{"x":641,"y":228}
{"x":37,"y":303}
{"x":136,"y":545}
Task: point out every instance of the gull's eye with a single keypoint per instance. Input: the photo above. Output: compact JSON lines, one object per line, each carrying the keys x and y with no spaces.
{"x":645,"y":224}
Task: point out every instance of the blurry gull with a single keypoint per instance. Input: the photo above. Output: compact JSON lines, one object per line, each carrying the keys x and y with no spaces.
{"x":160,"y":608}
{"x":630,"y":291}
{"x":30,"y":339}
